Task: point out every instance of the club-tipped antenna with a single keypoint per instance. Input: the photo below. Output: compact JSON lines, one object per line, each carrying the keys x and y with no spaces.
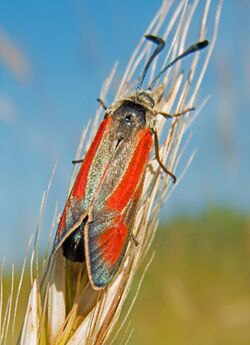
{"x":160,"y":45}
{"x":192,"y":49}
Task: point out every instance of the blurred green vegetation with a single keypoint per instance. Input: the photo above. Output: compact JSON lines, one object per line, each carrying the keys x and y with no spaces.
{"x":196,"y":291}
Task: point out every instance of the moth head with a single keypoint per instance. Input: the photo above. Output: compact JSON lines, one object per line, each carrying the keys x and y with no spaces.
{"x":145,"y":98}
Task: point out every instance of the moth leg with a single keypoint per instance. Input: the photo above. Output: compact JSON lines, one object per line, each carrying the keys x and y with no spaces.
{"x":99,"y":100}
{"x":77,"y":161}
{"x":132,"y":237}
{"x":157,"y":156}
{"x":170,"y":116}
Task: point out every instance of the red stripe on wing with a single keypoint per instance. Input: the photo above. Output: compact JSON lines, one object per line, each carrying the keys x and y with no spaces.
{"x":125,"y":190}
{"x":78,"y":190}
{"x":112,"y":241}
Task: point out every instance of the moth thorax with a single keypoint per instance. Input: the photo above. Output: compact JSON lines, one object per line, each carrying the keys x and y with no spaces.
{"x":130,"y":117}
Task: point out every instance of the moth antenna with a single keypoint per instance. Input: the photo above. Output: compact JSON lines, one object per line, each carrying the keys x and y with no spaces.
{"x":192,"y":49}
{"x":160,"y":45}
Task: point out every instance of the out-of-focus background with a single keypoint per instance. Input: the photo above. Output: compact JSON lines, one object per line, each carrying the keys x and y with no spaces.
{"x":54,"y":58}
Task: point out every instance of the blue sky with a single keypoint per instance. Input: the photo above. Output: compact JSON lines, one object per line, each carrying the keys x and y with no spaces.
{"x":65,"y":49}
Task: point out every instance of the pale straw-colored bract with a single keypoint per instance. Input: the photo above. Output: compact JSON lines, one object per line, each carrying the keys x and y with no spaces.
{"x":64,"y":309}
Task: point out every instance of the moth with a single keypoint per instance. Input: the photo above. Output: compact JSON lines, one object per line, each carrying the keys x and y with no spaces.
{"x":97,"y":221}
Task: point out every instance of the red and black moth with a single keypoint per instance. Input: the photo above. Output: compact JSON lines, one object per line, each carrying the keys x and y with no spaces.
{"x":97,"y":221}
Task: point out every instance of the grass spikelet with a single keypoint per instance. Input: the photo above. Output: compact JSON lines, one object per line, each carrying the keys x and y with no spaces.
{"x":63,"y":308}
{"x":30,"y":329}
